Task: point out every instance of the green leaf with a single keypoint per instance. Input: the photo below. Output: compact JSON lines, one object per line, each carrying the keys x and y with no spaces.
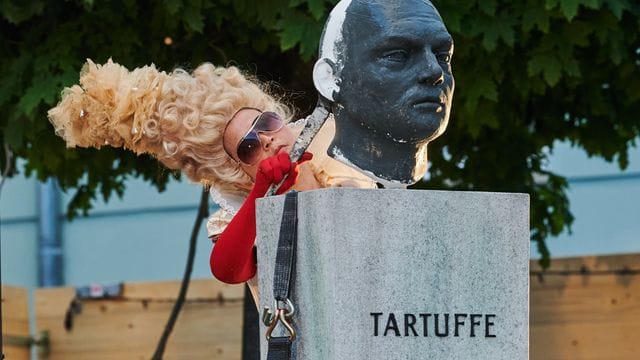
{"x":14,"y":134}
{"x":488,"y":6}
{"x":550,"y":4}
{"x":193,"y":18}
{"x":617,"y":51}
{"x":289,"y":39}
{"x":552,"y":73}
{"x":32,"y":98}
{"x":17,"y":14}
{"x":240,"y":6}
{"x":293,"y":28}
{"x":569,"y":8}
{"x":316,"y":7}
{"x":578,"y":33}
{"x":310,"y":40}
{"x":453,"y":22}
{"x":173,"y":6}
{"x":276,"y":9}
{"x":490,"y":40}
{"x":11,"y":85}
{"x":545,"y":255}
{"x":483,"y":87}
{"x":495,"y":31}
{"x":88,"y":4}
{"x":548,"y":65}
{"x":591,"y":4}
{"x":537,"y":17}
{"x":617,"y":7}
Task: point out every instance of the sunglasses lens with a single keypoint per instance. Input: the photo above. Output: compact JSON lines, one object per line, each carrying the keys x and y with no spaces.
{"x":268,"y":121}
{"x":249,"y":148}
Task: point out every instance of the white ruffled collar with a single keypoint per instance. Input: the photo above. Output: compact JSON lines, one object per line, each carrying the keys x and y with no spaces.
{"x":229,"y":202}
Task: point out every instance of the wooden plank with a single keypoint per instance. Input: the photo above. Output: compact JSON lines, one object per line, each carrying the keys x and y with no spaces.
{"x":208,"y":327}
{"x":15,"y":320}
{"x":582,"y":316}
{"x":592,"y":263}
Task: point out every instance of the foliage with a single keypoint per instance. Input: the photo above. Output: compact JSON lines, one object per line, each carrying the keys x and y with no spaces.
{"x":528,"y":73}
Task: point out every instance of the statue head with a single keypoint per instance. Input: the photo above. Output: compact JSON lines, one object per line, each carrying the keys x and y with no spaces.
{"x":386,"y":67}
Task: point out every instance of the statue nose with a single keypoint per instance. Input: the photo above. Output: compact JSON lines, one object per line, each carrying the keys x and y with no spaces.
{"x":431,"y":72}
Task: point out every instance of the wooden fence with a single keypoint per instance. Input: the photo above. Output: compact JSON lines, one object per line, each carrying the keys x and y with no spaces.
{"x":15,"y":323}
{"x":129,"y":327}
{"x":581,"y":308}
{"x":586,"y":308}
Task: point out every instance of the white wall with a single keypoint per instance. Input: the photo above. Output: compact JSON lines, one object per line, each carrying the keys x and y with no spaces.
{"x":19,"y":232}
{"x":605,"y":202}
{"x":142,"y":237}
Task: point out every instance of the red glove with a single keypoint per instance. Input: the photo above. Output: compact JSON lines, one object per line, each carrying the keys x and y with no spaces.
{"x":233,"y":260}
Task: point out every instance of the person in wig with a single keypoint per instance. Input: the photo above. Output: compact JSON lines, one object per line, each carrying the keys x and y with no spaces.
{"x":219,"y":127}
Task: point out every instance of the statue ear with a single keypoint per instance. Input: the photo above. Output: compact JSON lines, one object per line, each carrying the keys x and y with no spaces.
{"x":325,"y":78}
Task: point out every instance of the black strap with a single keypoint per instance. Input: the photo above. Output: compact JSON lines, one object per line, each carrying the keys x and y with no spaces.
{"x":280,"y":347}
{"x":285,"y":256}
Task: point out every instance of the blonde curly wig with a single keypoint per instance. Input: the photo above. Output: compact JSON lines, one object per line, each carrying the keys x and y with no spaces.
{"x":178,"y":117}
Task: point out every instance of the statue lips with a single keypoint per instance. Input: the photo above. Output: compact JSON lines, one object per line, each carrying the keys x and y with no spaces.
{"x":429,"y":112}
{"x":430,"y":102}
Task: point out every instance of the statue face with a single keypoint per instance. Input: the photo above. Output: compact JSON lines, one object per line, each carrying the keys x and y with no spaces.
{"x":396,"y":80}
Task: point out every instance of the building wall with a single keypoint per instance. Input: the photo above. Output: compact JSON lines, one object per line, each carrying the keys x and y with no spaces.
{"x":605,"y":202}
{"x":144,"y":236}
{"x":19,"y":232}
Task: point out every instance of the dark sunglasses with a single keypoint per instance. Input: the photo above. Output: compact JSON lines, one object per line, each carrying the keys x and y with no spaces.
{"x":249,"y":147}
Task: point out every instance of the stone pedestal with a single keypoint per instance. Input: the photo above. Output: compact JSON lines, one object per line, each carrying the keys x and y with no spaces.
{"x":404,"y":274}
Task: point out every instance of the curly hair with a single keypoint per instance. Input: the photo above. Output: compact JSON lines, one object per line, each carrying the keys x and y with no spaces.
{"x":178,"y":117}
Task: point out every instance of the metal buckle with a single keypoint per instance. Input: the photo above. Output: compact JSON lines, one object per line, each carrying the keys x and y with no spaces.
{"x":283,"y":313}
{"x":268,"y":316}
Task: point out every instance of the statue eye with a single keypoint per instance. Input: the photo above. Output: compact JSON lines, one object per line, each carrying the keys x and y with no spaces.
{"x":396,"y":56}
{"x":444,"y":57}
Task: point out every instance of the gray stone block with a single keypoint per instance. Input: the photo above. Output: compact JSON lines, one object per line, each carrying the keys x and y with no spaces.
{"x":380,"y":272}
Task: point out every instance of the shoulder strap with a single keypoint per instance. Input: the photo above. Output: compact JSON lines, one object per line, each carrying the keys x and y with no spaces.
{"x":285,"y":257}
{"x":280,"y":347}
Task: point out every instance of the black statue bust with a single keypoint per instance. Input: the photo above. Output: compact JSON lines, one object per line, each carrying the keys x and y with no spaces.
{"x":385,"y":65}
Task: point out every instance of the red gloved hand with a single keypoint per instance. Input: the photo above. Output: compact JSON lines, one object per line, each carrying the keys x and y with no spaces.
{"x":233,"y":260}
{"x":273,"y":169}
